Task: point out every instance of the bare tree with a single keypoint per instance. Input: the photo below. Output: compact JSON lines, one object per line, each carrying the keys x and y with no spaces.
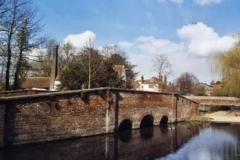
{"x":19,"y":12}
{"x":27,"y":31}
{"x":162,"y":66}
{"x":66,"y":54}
{"x":116,"y":56}
{"x":89,"y":50}
{"x":187,"y":83}
{"x":3,"y":8}
{"x":41,"y":57}
{"x":110,"y":50}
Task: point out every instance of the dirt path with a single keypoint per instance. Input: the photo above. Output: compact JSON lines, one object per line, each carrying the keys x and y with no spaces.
{"x":224,"y":116}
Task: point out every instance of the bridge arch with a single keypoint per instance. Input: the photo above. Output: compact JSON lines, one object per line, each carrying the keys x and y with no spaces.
{"x":147,"y":121}
{"x":164,"y":120}
{"x":125,"y":125}
{"x":164,"y":124}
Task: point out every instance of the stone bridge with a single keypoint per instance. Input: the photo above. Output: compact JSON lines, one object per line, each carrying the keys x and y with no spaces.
{"x":216,"y":101}
{"x":205,"y":102}
{"x":39,"y":117}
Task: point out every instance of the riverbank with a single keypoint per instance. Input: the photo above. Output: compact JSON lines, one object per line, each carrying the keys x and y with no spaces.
{"x":232,"y":116}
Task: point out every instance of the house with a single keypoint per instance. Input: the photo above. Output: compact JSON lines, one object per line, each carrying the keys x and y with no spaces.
{"x":207,"y":88}
{"x":147,"y":85}
{"x":41,"y":83}
{"x":120,"y":69}
{"x":217,"y":88}
{"x":44,"y":83}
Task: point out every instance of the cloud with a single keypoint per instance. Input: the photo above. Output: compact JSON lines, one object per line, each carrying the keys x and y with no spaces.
{"x":197,"y":42}
{"x":157,"y":46}
{"x":125,"y":44}
{"x":80,"y":40}
{"x":207,"y":2}
{"x":202,"y":40}
{"x":191,"y":54}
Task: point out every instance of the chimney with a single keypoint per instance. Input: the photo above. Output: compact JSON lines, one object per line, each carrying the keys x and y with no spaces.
{"x":142,"y":78}
{"x":54,"y":67}
{"x":165,"y":80}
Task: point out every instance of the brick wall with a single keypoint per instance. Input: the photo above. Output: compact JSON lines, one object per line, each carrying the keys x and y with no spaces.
{"x":62,"y":115}
{"x":215,"y":101}
{"x":135,"y":106}
{"x":186,"y":108}
{"x":38,"y":119}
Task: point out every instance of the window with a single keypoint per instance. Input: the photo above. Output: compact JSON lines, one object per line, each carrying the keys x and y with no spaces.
{"x":150,"y":86}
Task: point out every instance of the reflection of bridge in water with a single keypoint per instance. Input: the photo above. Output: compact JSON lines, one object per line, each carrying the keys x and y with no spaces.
{"x":145,"y":143}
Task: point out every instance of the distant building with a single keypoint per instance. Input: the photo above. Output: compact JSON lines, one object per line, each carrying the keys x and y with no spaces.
{"x":217,"y":88}
{"x":147,"y":85}
{"x":120,"y":69}
{"x":218,"y":85}
{"x":207,"y":88}
{"x":41,"y":83}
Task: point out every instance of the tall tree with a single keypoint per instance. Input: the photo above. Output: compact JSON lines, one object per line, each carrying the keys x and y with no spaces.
{"x":200,"y":90}
{"x":92,"y":63}
{"x":162,"y":66}
{"x":228,"y":65}
{"x":88,"y":69}
{"x":22,"y":37}
{"x":116,"y":56}
{"x":3,"y":8}
{"x":19,"y":12}
{"x":41,"y":57}
{"x":186,"y":83}
{"x":66,"y":54}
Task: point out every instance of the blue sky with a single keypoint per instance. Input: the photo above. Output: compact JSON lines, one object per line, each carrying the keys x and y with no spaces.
{"x":188,"y":32}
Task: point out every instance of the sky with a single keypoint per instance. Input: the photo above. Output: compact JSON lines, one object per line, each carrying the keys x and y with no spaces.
{"x":188,"y":32}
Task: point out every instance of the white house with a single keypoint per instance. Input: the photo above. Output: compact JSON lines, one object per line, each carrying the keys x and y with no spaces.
{"x":147,"y":85}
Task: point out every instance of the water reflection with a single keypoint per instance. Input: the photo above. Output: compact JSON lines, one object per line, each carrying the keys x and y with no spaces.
{"x":125,"y":136}
{"x":213,"y":143}
{"x":182,"y":141}
{"x":146,"y":133}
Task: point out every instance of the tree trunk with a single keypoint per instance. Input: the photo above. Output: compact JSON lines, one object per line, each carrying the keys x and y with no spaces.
{"x":89,"y":71}
{"x":16,"y":75}
{"x":9,"y":54}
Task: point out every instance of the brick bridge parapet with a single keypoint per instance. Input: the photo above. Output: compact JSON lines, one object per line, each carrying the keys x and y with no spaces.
{"x":60,"y":115}
{"x":216,"y":101}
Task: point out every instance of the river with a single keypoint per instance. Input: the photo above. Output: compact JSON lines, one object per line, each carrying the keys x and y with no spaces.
{"x":183,"y":141}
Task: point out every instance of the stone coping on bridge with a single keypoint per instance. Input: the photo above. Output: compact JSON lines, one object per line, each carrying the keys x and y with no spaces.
{"x":218,"y":101}
{"x":21,"y":92}
{"x":212,"y":97}
{"x":69,"y":92}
